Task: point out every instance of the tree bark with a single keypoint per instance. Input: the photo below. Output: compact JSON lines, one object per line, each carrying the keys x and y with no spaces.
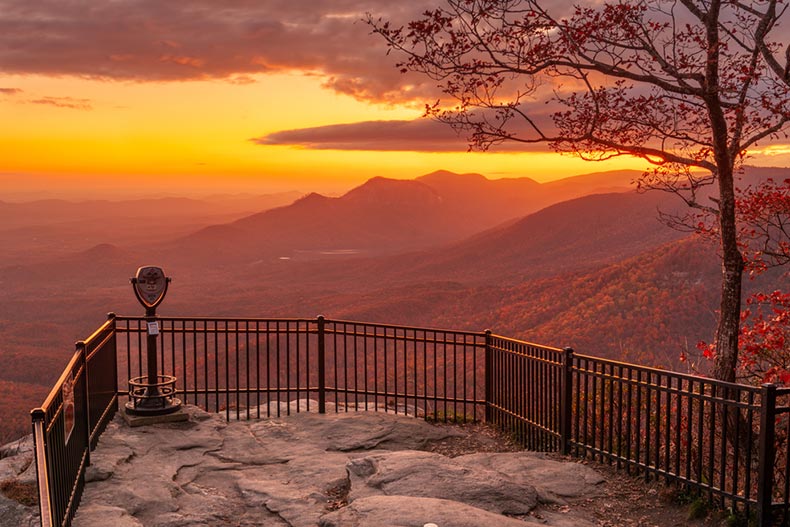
{"x":732,"y":274}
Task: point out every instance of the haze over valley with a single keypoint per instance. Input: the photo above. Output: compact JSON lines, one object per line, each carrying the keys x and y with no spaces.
{"x":580,"y":262}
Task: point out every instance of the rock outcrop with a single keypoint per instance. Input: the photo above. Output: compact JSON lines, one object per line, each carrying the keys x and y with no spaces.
{"x":339,"y":469}
{"x":18,"y":470}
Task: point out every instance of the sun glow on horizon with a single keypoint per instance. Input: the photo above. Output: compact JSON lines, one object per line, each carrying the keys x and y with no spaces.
{"x":73,"y":136}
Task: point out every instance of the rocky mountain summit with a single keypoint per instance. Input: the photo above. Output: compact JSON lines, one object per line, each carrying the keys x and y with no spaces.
{"x":18,"y":484}
{"x":306,"y":469}
{"x":349,"y":469}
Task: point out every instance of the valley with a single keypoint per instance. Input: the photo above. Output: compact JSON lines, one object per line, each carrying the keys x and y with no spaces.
{"x":582,"y":262}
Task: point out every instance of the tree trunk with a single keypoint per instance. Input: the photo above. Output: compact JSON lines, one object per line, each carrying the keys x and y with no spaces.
{"x":732,"y":275}
{"x":729,"y":319}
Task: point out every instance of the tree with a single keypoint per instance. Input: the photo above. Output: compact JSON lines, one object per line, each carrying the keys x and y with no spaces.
{"x":765,"y":338}
{"x":763,"y":213}
{"x":763,"y":218}
{"x":687,"y":85}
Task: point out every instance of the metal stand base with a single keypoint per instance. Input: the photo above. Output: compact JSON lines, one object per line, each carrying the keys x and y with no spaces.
{"x":180,"y":415}
{"x":152,"y":398}
{"x":173,"y":405}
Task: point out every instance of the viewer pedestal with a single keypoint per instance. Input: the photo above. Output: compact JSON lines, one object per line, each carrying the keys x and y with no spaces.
{"x":144,"y":420}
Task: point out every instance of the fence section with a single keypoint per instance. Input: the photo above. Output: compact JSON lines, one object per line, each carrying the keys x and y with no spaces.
{"x":525,"y":390}
{"x":101,"y":370}
{"x":431,"y":373}
{"x":774,"y":466}
{"x":246,"y":367}
{"x":243,"y":367}
{"x":693,"y":430}
{"x":62,"y":444}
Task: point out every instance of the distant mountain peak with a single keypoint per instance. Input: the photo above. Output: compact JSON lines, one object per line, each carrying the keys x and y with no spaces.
{"x":446,"y":176}
{"x":311,"y":197}
{"x":384,"y":190}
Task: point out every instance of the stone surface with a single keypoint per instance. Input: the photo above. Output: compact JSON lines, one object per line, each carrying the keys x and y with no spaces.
{"x":16,"y":464}
{"x":428,"y":475}
{"x":304,"y":469}
{"x":397,"y":511}
{"x":16,"y":461}
{"x":554,"y":481}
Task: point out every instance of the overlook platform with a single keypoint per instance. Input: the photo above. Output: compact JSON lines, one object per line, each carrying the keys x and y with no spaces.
{"x":724,"y":443}
{"x":337,"y":469}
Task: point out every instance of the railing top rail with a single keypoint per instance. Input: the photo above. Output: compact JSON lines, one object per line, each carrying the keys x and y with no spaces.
{"x":59,"y":384}
{"x":165,"y":318}
{"x":518,"y":341}
{"x":124,"y":318}
{"x":687,"y":376}
{"x":407,"y":328}
{"x":96,"y":335}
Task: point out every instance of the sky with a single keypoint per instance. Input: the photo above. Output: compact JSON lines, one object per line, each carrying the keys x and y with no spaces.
{"x":144,"y":97}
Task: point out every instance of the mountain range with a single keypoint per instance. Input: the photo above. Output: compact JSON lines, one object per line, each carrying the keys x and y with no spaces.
{"x":563,"y":263}
{"x":386,"y":216}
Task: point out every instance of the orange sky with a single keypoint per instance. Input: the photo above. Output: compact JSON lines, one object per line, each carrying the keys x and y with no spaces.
{"x":195,"y":136}
{"x":146,"y":98}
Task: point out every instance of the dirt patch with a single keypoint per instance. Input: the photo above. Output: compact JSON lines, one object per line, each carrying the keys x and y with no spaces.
{"x":24,"y":493}
{"x":632,"y":501}
{"x":337,"y":496}
{"x":626,"y":500}
{"x":479,"y":437}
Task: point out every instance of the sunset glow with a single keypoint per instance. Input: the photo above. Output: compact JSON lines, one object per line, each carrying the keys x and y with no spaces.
{"x":90,"y":113}
{"x":196,"y":135}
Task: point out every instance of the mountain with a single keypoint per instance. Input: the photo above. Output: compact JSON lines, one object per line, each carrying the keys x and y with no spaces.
{"x":381,"y":216}
{"x":597,"y":272}
{"x":574,"y":235}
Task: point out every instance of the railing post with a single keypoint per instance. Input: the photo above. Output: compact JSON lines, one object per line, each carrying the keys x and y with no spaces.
{"x":767,"y":455}
{"x":111,"y":316}
{"x":488,"y":375}
{"x":566,"y":398}
{"x":321,"y":366}
{"x":80,"y":347}
{"x":40,"y":455}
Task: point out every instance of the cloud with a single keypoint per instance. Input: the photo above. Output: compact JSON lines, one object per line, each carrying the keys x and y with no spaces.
{"x":64,"y":102}
{"x":151,"y":40}
{"x":10,"y":91}
{"x":421,"y":135}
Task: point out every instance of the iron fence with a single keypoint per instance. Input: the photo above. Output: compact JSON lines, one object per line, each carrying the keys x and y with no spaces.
{"x":242,"y":366}
{"x":524,"y":390}
{"x":692,"y":430}
{"x":423,"y":372}
{"x":227,"y":365}
{"x":69,"y":422}
{"x":726,"y":442}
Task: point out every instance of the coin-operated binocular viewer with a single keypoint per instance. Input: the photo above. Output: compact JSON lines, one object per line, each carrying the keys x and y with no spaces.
{"x":153,"y":394}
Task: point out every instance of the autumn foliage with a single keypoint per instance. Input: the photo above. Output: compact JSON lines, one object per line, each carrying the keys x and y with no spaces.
{"x":765,"y":337}
{"x":688,"y":86}
{"x":763,"y":212}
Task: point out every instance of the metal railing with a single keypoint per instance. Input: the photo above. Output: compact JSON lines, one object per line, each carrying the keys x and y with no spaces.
{"x":241,"y":366}
{"x":696,"y":431}
{"x":67,"y":426}
{"x":725,"y":442}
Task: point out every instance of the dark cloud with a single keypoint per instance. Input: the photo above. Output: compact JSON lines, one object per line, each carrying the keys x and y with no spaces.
{"x":421,"y":135}
{"x":10,"y":91}
{"x":64,"y":102}
{"x":151,"y":40}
